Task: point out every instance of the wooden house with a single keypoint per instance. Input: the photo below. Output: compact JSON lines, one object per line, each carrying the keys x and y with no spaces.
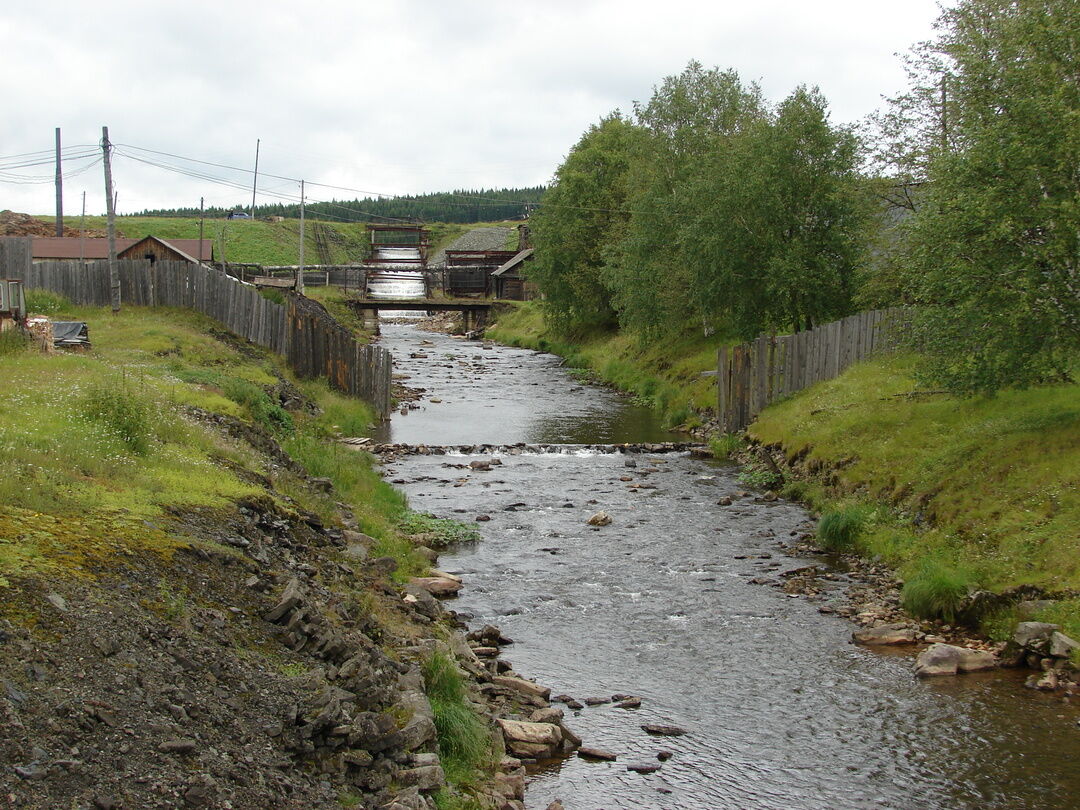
{"x":65,"y":248}
{"x":510,"y":282}
{"x":469,"y":272}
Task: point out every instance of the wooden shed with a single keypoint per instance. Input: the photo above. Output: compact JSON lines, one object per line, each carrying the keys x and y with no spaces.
{"x":510,"y":282}
{"x":175,"y":250}
{"x":59,"y":248}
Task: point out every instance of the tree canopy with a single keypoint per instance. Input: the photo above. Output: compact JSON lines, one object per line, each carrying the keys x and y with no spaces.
{"x":992,"y":125}
{"x":719,"y":210}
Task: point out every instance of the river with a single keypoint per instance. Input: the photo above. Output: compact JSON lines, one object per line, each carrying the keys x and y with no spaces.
{"x":781,"y":710}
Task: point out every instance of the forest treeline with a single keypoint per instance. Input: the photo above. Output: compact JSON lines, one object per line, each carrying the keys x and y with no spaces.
{"x":710,"y":208}
{"x":460,"y":206}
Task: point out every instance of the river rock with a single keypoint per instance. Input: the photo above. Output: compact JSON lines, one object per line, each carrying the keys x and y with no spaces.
{"x":437,"y":586}
{"x":599,"y":519}
{"x":531,"y":740}
{"x":663,"y":731}
{"x":1034,"y":635}
{"x":428,"y":777}
{"x":946,"y":659}
{"x":1061,"y":646}
{"x":587,"y":752}
{"x":885,"y":634}
{"x":643,"y":767}
{"x":522,"y":685}
{"x":548,"y":715}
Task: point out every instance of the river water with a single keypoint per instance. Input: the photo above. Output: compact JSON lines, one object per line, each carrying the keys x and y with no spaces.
{"x":781,"y":710}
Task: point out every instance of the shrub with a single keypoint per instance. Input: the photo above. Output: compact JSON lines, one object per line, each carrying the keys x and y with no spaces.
{"x":44,"y":302}
{"x":935,"y":590}
{"x":123,"y":413}
{"x":839,"y":529}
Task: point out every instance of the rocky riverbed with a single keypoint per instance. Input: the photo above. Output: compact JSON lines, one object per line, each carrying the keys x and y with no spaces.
{"x":651,"y":588}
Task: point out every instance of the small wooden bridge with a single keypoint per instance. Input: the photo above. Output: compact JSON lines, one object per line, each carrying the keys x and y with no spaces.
{"x":475,"y":310}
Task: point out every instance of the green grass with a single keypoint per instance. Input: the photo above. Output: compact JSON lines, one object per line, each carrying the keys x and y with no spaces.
{"x":98,"y":448}
{"x":247,"y":240}
{"x":665,"y":375}
{"x":840,"y":529}
{"x":990,"y":485}
{"x":724,"y":445}
{"x":935,"y":589}
{"x":44,"y":302}
{"x":465,"y":744}
{"x":440,"y":532}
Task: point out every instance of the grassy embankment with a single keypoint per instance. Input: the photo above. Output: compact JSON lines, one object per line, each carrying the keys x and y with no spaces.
{"x":665,"y":375}
{"x":106,"y":437}
{"x":102,"y":450}
{"x":955,"y":494}
{"x":247,"y":240}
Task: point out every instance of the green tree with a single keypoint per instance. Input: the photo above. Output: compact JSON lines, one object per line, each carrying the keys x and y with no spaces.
{"x":994,"y":115}
{"x":688,"y":118}
{"x":774,"y":235}
{"x":581,"y":214}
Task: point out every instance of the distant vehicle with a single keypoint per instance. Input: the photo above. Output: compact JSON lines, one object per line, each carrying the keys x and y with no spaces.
{"x":239,"y":215}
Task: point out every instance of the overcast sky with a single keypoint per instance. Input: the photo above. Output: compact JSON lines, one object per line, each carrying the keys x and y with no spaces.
{"x":393,"y":97}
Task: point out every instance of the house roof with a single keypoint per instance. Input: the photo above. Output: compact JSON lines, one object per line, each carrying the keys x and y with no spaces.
{"x":185,"y":247}
{"x":514,"y":262}
{"x":74,"y":247}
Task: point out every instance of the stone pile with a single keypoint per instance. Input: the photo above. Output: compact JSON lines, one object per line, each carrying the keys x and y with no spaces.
{"x":1042,"y":646}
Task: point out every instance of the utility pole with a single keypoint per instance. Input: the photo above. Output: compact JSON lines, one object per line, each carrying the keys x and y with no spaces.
{"x":200,"y":228}
{"x":255,"y":181}
{"x":300,"y":271}
{"x":223,"y":270}
{"x":82,"y":233}
{"x":59,"y":189}
{"x":110,"y":210}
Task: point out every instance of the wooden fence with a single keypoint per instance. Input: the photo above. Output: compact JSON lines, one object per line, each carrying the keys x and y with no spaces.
{"x":313,"y":343}
{"x":753,"y":375}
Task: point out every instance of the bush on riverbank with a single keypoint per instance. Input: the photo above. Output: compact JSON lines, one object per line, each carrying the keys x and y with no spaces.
{"x":840,"y":529}
{"x":935,"y":589}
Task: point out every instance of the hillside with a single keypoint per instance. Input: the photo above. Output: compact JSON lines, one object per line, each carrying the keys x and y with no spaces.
{"x":250,"y":240}
{"x":257,"y":241}
{"x":204,"y":599}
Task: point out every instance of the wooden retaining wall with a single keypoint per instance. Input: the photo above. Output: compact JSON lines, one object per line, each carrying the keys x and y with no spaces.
{"x":302,"y":331}
{"x":752,"y":375}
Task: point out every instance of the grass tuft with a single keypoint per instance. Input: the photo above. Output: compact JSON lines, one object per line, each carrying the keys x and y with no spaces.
{"x":121,"y":412}
{"x":724,"y":445}
{"x":840,"y":529}
{"x":935,"y":590}
{"x":465,"y":745}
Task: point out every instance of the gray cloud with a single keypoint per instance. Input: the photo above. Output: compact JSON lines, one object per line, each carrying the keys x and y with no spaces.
{"x":397,"y":97}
